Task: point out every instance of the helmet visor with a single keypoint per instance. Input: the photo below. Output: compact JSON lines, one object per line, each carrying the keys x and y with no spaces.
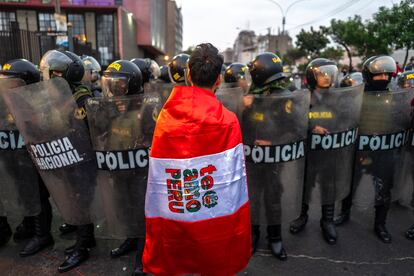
{"x":325,"y":76}
{"x":91,"y":64}
{"x":384,"y":64}
{"x":245,"y":80}
{"x":54,"y":63}
{"x":113,"y":86}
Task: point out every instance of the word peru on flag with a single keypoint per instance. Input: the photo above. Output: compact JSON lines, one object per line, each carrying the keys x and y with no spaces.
{"x":197,"y":207}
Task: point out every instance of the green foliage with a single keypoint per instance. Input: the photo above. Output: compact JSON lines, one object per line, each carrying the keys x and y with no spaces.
{"x":312,"y":42}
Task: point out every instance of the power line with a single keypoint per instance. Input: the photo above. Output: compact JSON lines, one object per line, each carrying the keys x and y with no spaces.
{"x":333,"y":12}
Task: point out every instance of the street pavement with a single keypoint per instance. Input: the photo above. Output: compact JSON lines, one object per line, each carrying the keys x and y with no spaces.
{"x":358,"y":252}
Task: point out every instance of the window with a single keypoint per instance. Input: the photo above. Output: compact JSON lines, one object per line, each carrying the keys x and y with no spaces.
{"x":78,"y":26}
{"x":5,"y":19}
{"x":47,"y":22}
{"x":105,"y":37}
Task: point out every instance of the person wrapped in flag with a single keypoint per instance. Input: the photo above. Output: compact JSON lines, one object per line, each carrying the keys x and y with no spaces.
{"x":197,"y":207}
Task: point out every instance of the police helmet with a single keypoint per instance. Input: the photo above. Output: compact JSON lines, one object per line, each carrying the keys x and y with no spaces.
{"x":121,"y":78}
{"x":377,"y":65}
{"x":92,"y":66}
{"x":352,"y":79}
{"x":406,"y":79}
{"x":266,"y":68}
{"x":177,"y":68}
{"x":21,"y":68}
{"x":321,"y":73}
{"x":164,"y":76}
{"x":63,"y":64}
{"x":149,"y":68}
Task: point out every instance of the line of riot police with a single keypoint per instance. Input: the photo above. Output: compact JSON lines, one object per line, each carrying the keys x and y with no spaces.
{"x":346,"y":143}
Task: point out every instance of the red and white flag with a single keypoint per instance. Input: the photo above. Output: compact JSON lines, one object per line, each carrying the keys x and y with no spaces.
{"x":197,"y":207}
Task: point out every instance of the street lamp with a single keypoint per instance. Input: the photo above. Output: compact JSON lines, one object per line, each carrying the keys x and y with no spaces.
{"x":284,"y":13}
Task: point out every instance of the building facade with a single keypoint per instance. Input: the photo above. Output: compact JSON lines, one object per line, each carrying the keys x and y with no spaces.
{"x":114,"y":28}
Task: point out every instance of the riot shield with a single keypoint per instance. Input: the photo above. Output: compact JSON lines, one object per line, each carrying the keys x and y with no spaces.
{"x":121,"y":131}
{"x":58,"y":141}
{"x":159,"y":89}
{"x":19,"y":188}
{"x":232,"y":99}
{"x":383,"y":132}
{"x":274,"y":134}
{"x":333,"y":124}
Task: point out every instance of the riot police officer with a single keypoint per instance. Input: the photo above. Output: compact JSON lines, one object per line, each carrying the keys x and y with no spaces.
{"x":92,"y":74}
{"x":127,"y":188}
{"x":268,"y":116}
{"x":377,"y":72}
{"x":406,"y":80}
{"x":237,"y":75}
{"x":26,"y":71}
{"x":177,"y":67}
{"x":67,"y":65}
{"x":322,"y":74}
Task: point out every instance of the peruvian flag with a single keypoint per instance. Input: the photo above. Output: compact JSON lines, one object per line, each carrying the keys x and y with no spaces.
{"x":197,"y":207}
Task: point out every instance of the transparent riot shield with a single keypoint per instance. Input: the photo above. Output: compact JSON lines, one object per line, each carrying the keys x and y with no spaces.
{"x":57,"y":138}
{"x":274,"y":134}
{"x":232,"y":99}
{"x":333,"y":124}
{"x":383,"y":132}
{"x":19,"y":188}
{"x":121,"y":131}
{"x":404,"y":181}
{"x":159,"y":89}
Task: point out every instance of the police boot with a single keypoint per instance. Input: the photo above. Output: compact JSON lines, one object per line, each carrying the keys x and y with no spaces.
{"x":25,"y":230}
{"x":42,"y":237}
{"x":345,"y":214}
{"x":299,"y":224}
{"x":79,"y":253}
{"x":67,"y":228}
{"x":138,"y":268}
{"x":379,"y":227}
{"x":255,"y":237}
{"x":275,"y":242}
{"x":327,"y":224}
{"x":130,"y":244}
{"x":5,"y":231}
{"x":409,"y":234}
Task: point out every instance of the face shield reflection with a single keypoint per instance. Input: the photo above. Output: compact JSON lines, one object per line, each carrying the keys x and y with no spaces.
{"x":381,"y":65}
{"x":113,"y":86}
{"x":155,"y":69}
{"x":325,"y":75}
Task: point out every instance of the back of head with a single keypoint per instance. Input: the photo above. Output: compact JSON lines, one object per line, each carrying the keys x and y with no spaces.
{"x":21,"y":68}
{"x":177,"y":67}
{"x":377,"y":72}
{"x":406,"y":79}
{"x":149,"y":68}
{"x":121,"y":78}
{"x":321,"y":73}
{"x":63,"y":64}
{"x":205,"y":65}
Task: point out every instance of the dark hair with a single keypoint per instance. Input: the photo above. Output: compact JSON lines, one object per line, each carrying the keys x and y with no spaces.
{"x":205,"y":65}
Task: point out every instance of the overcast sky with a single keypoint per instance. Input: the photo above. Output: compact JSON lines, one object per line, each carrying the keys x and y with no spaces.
{"x":219,"y":21}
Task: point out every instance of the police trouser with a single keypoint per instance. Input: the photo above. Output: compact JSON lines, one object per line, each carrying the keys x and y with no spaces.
{"x":265,"y":188}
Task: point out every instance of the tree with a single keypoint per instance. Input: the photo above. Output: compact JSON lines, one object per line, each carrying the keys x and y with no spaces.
{"x":332,"y":53}
{"x":312,"y":42}
{"x":349,"y":34}
{"x":292,"y":55}
{"x":395,"y":25}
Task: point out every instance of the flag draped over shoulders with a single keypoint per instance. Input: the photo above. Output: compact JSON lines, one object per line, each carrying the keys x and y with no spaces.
{"x":197,"y":207}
